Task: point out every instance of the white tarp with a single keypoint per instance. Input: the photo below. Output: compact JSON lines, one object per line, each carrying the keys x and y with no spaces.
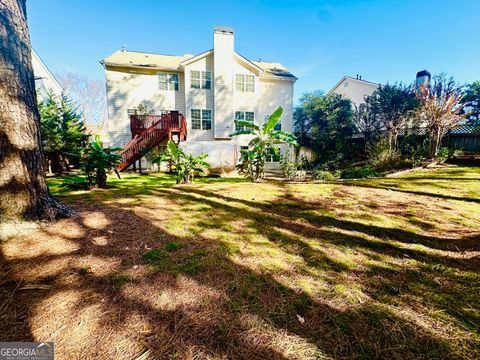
{"x":222,"y":156}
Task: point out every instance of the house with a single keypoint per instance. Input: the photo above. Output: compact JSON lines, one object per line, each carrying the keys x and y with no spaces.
{"x":354,"y":89}
{"x":201,"y":93}
{"x":45,"y":82}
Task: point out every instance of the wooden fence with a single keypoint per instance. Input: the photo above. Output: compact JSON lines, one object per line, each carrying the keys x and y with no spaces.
{"x":465,"y":137}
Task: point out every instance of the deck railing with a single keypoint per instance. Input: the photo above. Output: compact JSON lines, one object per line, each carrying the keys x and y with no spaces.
{"x":139,"y":123}
{"x":148,"y":131}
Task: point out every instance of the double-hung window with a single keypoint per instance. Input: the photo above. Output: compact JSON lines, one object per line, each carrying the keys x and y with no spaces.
{"x":167,"y":81}
{"x":200,"y":79}
{"x":201,"y":119}
{"x":244,"y":116}
{"x":245,"y":83}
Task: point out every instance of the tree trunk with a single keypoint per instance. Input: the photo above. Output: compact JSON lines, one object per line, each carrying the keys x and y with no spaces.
{"x":23,"y":189}
{"x":101,"y":179}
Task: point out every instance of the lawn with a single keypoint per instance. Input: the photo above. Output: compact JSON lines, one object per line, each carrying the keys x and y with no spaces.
{"x":377,"y":268}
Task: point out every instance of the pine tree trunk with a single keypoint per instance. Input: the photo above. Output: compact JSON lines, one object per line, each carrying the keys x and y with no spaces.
{"x":23,"y":189}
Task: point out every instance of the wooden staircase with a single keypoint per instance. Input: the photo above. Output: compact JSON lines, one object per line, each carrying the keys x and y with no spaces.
{"x":148,"y":131}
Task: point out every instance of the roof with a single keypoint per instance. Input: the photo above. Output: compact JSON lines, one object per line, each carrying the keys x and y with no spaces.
{"x":275,"y":69}
{"x":145,"y":60}
{"x":175,"y":63}
{"x":48,"y":76}
{"x":365,"y":82}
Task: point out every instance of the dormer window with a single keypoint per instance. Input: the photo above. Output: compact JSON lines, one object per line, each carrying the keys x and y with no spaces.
{"x":245,"y":83}
{"x":167,"y":81}
{"x":200,"y":79}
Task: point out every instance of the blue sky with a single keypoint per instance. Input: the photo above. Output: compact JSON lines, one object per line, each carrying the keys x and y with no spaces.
{"x":319,"y":41}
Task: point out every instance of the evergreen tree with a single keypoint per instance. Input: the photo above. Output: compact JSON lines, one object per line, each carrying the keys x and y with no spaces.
{"x":63,"y":133}
{"x":73,"y":132}
{"x":326,"y":124}
{"x":471,"y":102}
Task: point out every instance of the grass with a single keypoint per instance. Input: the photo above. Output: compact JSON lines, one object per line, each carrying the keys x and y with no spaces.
{"x":372,"y":268}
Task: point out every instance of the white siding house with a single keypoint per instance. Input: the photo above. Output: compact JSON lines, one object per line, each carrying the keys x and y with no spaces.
{"x":45,"y":82}
{"x":211,"y":90}
{"x":354,"y":89}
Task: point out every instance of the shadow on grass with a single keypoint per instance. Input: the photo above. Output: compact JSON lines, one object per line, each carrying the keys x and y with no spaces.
{"x":252,"y":314}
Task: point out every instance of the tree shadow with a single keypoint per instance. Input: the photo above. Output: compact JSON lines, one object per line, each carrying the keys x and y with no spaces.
{"x":289,"y":209}
{"x":413,"y":192}
{"x":220,"y":308}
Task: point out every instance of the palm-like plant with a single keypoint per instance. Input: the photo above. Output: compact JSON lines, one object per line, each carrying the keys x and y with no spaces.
{"x":262,"y":145}
{"x":185,"y":165}
{"x":98,"y":161}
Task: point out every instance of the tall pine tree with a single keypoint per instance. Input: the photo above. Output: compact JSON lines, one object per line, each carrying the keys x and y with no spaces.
{"x":23,"y":189}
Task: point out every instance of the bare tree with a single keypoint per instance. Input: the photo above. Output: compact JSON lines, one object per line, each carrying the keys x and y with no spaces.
{"x":88,"y":94}
{"x":439,"y":109}
{"x":23,"y":189}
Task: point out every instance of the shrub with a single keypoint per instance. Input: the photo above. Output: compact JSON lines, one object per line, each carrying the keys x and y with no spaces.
{"x":445,"y":153}
{"x":323,"y":175}
{"x":359,"y":173}
{"x":288,"y":166}
{"x":382,"y":158}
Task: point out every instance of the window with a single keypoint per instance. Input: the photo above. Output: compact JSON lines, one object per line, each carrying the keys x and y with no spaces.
{"x":201,"y":79}
{"x":272,"y":157}
{"x":278,"y":125}
{"x":245,"y":83}
{"x":245,"y":116}
{"x":201,"y":119}
{"x":167,"y":81}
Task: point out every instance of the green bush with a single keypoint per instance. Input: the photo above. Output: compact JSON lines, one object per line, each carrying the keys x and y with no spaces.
{"x":359,"y":173}
{"x":445,"y":153}
{"x":323,"y":175}
{"x":288,"y":166}
{"x":382,"y":158}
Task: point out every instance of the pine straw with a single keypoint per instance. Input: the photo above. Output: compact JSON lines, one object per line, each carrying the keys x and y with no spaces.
{"x":225,"y":271}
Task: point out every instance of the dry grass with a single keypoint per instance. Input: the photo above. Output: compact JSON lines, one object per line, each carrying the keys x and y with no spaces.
{"x":381,"y":268}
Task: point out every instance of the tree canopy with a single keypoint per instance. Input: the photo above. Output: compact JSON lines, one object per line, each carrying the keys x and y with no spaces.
{"x":324,"y":123}
{"x":63,"y":132}
{"x":471,"y":101}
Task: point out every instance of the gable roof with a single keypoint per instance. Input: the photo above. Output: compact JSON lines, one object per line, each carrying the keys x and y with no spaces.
{"x":40,"y":69}
{"x":153,"y":61}
{"x":361,"y":81}
{"x":274,"y":69}
{"x":144,"y":60}
{"x":196,"y":57}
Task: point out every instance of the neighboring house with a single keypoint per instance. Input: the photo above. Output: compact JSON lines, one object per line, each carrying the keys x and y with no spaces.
{"x":210,"y":90}
{"x":354,"y":89}
{"x":45,"y":82}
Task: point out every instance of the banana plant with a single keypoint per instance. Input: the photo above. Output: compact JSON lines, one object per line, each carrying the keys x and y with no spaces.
{"x":262,"y":144}
{"x":97,"y":161}
{"x":186,"y":166}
